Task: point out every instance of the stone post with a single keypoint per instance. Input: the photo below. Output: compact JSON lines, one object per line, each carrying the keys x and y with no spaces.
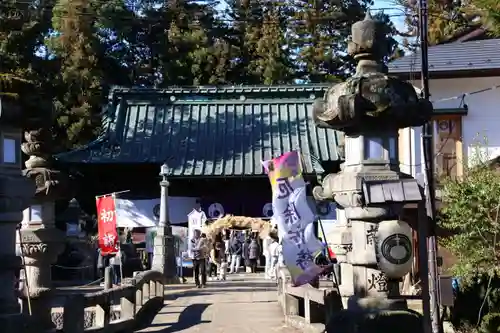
{"x":40,"y":242}
{"x":164,"y":256}
{"x":15,"y":194}
{"x":370,"y":190}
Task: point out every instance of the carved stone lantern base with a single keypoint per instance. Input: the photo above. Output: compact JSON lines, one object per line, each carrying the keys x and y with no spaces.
{"x":39,"y":245}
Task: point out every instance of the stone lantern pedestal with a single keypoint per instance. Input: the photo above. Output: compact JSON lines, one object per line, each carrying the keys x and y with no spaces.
{"x":39,"y":241}
{"x":375,"y":244}
{"x":16,"y":193}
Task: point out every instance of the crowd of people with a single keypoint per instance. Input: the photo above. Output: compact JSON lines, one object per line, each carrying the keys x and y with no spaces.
{"x":228,"y":253}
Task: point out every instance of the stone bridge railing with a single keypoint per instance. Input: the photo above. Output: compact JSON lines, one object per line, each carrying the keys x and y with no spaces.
{"x":117,"y":309}
{"x":306,"y":308}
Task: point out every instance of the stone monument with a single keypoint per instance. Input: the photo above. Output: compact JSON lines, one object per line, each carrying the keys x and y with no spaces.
{"x":374,"y":246}
{"x":39,"y":241}
{"x":16,"y":193}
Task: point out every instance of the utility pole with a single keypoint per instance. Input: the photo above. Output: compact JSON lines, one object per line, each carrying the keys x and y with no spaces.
{"x":428,"y":147}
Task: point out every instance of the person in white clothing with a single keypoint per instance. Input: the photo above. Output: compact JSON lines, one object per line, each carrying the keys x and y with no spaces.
{"x":222,"y":269}
{"x":266,"y":242}
{"x":274,"y":254}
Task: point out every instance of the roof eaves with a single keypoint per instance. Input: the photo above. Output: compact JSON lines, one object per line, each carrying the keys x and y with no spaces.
{"x":218,"y":89}
{"x":460,"y":111}
{"x":67,"y":155}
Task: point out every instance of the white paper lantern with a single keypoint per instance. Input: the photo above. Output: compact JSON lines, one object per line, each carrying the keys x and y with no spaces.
{"x":394,"y":248}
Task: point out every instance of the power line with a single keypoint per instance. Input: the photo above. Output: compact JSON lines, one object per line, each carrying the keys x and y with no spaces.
{"x":470,"y":93}
{"x":48,"y":8}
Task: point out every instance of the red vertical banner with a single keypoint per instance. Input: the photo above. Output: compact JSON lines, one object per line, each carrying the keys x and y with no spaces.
{"x":106,"y":224}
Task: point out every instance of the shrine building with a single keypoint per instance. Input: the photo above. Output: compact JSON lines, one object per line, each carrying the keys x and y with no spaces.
{"x":213,"y":140}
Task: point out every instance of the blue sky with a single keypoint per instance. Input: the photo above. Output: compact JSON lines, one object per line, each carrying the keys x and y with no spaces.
{"x":395,"y":12}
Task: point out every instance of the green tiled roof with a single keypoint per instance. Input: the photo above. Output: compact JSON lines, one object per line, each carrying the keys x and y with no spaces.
{"x":211,"y":131}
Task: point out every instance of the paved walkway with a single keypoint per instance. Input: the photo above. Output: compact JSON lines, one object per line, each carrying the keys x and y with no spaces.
{"x":244,"y":303}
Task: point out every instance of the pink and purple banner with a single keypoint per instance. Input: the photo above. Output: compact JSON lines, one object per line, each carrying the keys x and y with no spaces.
{"x":294,"y":217}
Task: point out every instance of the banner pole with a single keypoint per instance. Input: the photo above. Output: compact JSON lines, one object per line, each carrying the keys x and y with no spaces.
{"x":113,"y":193}
{"x":119,"y":253}
{"x":121,"y":262}
{"x":302,"y":162}
{"x":325,"y":245}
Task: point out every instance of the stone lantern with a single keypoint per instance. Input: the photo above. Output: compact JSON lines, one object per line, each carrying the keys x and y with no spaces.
{"x":40,"y":242}
{"x":374,"y":246}
{"x":164,"y":256}
{"x":16,"y":194}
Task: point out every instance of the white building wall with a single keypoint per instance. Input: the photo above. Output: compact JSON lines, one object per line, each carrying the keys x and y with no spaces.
{"x":480,"y":127}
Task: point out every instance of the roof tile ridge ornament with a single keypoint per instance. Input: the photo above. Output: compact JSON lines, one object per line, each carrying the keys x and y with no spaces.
{"x":370,"y":100}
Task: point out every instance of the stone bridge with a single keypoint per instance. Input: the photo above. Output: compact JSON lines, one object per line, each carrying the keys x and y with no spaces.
{"x":244,"y":303}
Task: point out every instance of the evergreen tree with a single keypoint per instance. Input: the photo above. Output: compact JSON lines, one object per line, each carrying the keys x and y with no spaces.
{"x":76,"y":46}
{"x":210,"y":55}
{"x":446,"y":18}
{"x":198,"y":51}
{"x":23,"y":26}
{"x":489,"y":12}
{"x":73,"y":50}
{"x":245,"y":31}
{"x":260,"y":51}
{"x":273,"y":64}
{"x":321,"y":30}
{"x":115,"y":28}
{"x":177,"y":42}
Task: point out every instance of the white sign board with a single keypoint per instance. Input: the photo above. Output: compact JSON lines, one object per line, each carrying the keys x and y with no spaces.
{"x":196,"y":219}
{"x":145,"y":213}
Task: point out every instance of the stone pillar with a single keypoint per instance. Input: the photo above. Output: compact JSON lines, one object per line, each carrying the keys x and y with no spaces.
{"x":15,"y":194}
{"x":39,"y":241}
{"x":369,"y":156}
{"x":370,"y":191}
{"x":164,"y":256}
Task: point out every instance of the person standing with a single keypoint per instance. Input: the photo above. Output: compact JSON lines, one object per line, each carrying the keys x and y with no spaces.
{"x":116,"y":264}
{"x":246,"y":260}
{"x":236,"y":251}
{"x":220,"y":257}
{"x":227,"y":247}
{"x":100,"y":264}
{"x":253,"y":254}
{"x":274,"y":254}
{"x":212,"y":263}
{"x":200,"y":254}
{"x":150,"y":238}
{"x":266,"y":242}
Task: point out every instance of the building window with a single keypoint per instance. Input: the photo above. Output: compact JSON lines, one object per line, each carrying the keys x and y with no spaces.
{"x":10,"y":150}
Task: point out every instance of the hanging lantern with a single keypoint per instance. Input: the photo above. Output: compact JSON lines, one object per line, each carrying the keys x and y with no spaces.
{"x":394,"y":248}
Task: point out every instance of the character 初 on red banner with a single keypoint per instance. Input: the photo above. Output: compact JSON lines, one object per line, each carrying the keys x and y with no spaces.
{"x":106,"y":224}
